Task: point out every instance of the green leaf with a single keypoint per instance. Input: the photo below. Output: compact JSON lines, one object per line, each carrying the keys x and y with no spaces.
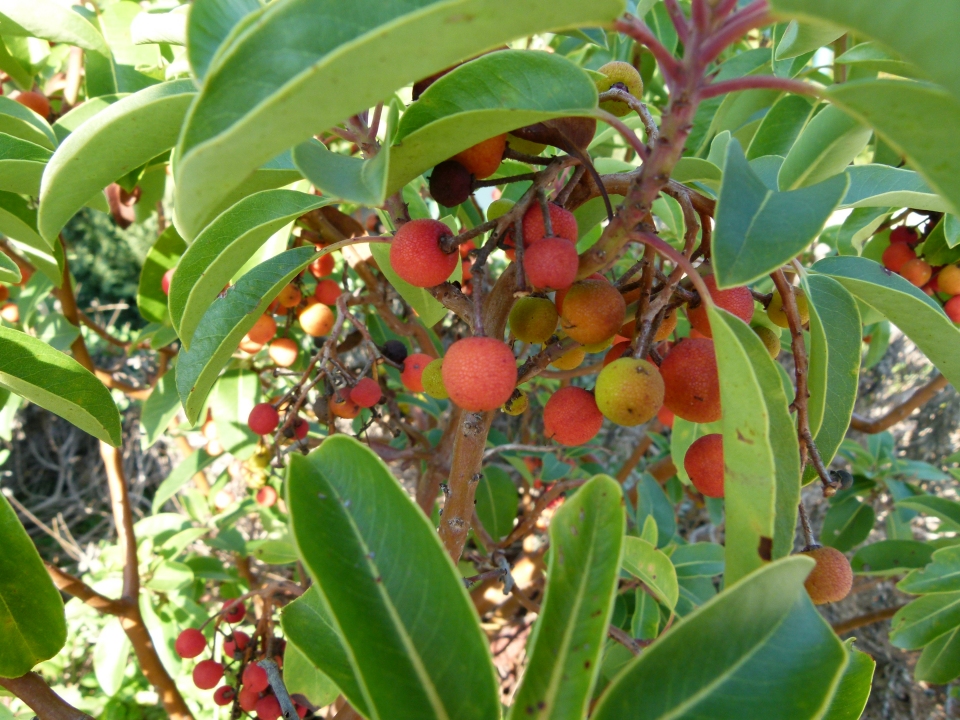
{"x":180,"y":476}
{"x":885,"y":186}
{"x":947,"y":510}
{"x":18,"y":221}
{"x":853,"y":691}
{"x":429,"y":310}
{"x":763,"y":626}
{"x":873,"y":57}
{"x":847,"y":523}
{"x":110,"y":144}
{"x":51,"y":21}
{"x":234,"y":396}
{"x":58,"y":383}
{"x":227,"y":320}
{"x":160,"y":27}
{"x":69,"y":122}
{"x":702,"y":559}
{"x":858,"y":226}
{"x":924,"y":620}
{"x":224,"y":246}
{"x":352,"y":179}
{"x":761,"y":454}
{"x":759,"y":229}
{"x":337,"y":71}
{"x":209,"y":24}
{"x":31,"y":611}
{"x":951,"y":230}
{"x":166,"y":251}
{"x":801,"y":38}
{"x":691,"y":169}
{"x":935,"y":249}
{"x":159,"y":408}
{"x":21,"y":165}
{"x":914,"y":118}
{"x":488,"y":96}
{"x":110,"y":656}
{"x":301,"y":677}
{"x":781,"y":127}
{"x":918,"y":316}
{"x":586,"y":544}
{"x":496,"y":502}
{"x":834,"y":363}
{"x":939,"y":663}
{"x":129,"y":65}
{"x":309,"y":625}
{"x":22,"y":122}
{"x":893,"y":557}
{"x":439,"y":664}
{"x":642,"y":560}
{"x":941,"y":575}
{"x":15,"y":68}
{"x":826,"y":146}
{"x":169,"y":576}
{"x":9,"y":270}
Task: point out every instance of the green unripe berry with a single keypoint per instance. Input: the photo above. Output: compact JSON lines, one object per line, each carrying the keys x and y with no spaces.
{"x":625,"y":74}
{"x":771,"y":340}
{"x":629,"y":391}
{"x":777,"y":315}
{"x":533,"y":319}
{"x":432,"y":380}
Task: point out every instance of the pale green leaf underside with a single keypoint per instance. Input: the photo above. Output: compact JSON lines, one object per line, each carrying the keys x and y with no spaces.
{"x":51,"y":21}
{"x":642,"y":560}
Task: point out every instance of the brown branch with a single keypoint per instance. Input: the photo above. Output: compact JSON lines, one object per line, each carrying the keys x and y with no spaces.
{"x":530,"y":519}
{"x":34,"y":691}
{"x":576,"y":372}
{"x":842,"y":628}
{"x":638,"y":452}
{"x":102,"y":332}
{"x":76,"y":587}
{"x":920,"y":397}
{"x":663,"y":469}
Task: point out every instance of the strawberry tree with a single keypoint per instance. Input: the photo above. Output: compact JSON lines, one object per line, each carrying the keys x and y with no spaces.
{"x":419,"y":272}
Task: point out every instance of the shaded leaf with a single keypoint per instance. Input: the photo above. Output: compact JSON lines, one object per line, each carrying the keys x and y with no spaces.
{"x":21,"y":122}
{"x":847,"y":523}
{"x":924,"y":620}
{"x":181,"y":475}
{"x":21,"y":165}
{"x":941,"y":575}
{"x":110,"y":656}
{"x":163,"y":256}
{"x":781,"y":126}
{"x":702,"y":559}
{"x":300,"y":676}
{"x":893,"y":557}
{"x":496,"y":502}
{"x":885,"y":186}
{"x":825,"y":147}
{"x":160,"y":408}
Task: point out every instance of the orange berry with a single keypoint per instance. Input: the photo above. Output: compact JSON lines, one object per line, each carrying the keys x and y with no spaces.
{"x":412,"y":375}
{"x":35,"y":101}
{"x":704,"y":464}
{"x":667,"y":326}
{"x":831,"y":578}
{"x":691,"y":382}
{"x":263,"y":330}
{"x":249,"y":346}
{"x":736,"y":300}
{"x":327,"y":292}
{"x":948,"y":280}
{"x":570,"y":359}
{"x":559,"y":295}
{"x":344,"y":407}
{"x":665,"y":416}
{"x":483,"y":159}
{"x":571,"y":416}
{"x":283,"y":352}
{"x":289,"y":297}
{"x":322,"y":266}
{"x":479,"y":373}
{"x":593,"y":311}
{"x":11,"y":313}
{"x":415,"y":253}
{"x":317,"y":320}
{"x":897,"y":255}
{"x":629,"y":391}
{"x":917,"y":271}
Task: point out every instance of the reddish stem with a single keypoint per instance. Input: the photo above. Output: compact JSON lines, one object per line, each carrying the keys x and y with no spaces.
{"x":759,"y":82}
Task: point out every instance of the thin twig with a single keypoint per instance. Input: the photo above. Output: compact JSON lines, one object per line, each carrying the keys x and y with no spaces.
{"x":921,"y":396}
{"x":279,"y":689}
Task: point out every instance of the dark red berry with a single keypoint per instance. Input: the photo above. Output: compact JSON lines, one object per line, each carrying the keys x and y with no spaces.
{"x":234,"y":613}
{"x":190,"y":643}
{"x":366,"y":393}
{"x":300,"y":428}
{"x":450,"y":183}
{"x":224,"y":695}
{"x":247,"y":698}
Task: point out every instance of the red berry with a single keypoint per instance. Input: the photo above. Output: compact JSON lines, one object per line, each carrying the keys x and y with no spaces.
{"x":551,"y":263}
{"x":207,"y":674}
{"x":322,"y":266}
{"x":917,"y":271}
{"x":301,"y":710}
{"x":248,"y":699}
{"x":415,"y":253}
{"x":563,"y":223}
{"x":328,"y":291}
{"x":263,"y":419}
{"x":35,"y":101}
{"x":665,"y":416}
{"x":904,"y":234}
{"x":165,"y":281}
{"x":268,"y":708}
{"x":736,"y":300}
{"x":234,"y":613}
{"x":267,"y":497}
{"x":952,"y":308}
{"x":616,"y":352}
{"x":366,"y":393}
{"x":301,"y":428}
{"x":224,"y":695}
{"x":571,"y":416}
{"x":255,"y":678}
{"x":413,"y":371}
{"x":704,"y":464}
{"x":691,"y":382}
{"x":190,"y":643}
{"x":479,"y":373}
{"x":897,"y":255}
{"x":239,"y":641}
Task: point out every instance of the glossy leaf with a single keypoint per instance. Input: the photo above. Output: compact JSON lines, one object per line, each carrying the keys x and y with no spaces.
{"x":362,"y":538}
{"x":166,"y":251}
{"x":225,"y":245}
{"x":847,"y":523}
{"x":31,"y":611}
{"x":55,"y":382}
{"x":759,"y":229}
{"x":209,"y":24}
{"x":428,"y":309}
{"x":352,"y":179}
{"x":21,"y":165}
{"x":800,"y":38}
{"x":496,"y":502}
{"x":642,"y":560}
{"x":826,"y":146}
{"x":939,"y":663}
{"x":885,"y":186}
{"x":586,"y":543}
{"x":924,"y":620}
{"x":763,"y":626}
{"x":226,"y":322}
{"x":21,"y":122}
{"x":18,"y":221}
{"x":180,"y":476}
{"x":918,"y":316}
{"x":947,"y":510}
{"x":700,"y":559}
{"x":893,"y":557}
{"x":160,"y":408}
{"x":51,"y":21}
{"x":113,"y":142}
{"x":488,"y":96}
{"x":348,"y":59}
{"x":781,"y":126}
{"x":853,"y":691}
{"x":941,"y":575}
{"x":874,"y":57}
{"x":301,"y":677}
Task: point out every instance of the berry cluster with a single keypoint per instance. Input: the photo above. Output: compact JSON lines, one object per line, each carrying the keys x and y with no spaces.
{"x":942,"y":282}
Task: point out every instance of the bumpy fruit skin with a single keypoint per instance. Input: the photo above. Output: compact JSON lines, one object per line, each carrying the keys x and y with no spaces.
{"x":268,"y":708}
{"x":777,"y":315}
{"x":771,"y":340}
{"x":624,"y":74}
{"x":415,"y":253}
{"x":904,"y":234}
{"x":224,"y":695}
{"x":917,"y":271}
{"x":516,"y":405}
{"x":533,"y":320}
{"x":704,"y":464}
{"x":570,"y":359}
{"x":263,"y":419}
{"x":343,"y":407}
{"x":207,"y":674}
{"x":35,"y":101}
{"x":952,"y":308}
{"x":948,"y":280}
{"x":737,"y":300}
{"x":480,"y":373}
{"x":284,"y":351}
{"x":593,"y":310}
{"x":289,"y":297}
{"x":551,"y":263}
{"x":691,"y":382}
{"x":263,"y":330}
{"x":483,"y":159}
{"x":317,"y":320}
{"x":629,"y":391}
{"x":327,"y":292}
{"x":190,"y":643}
{"x":432,"y":380}
{"x":394,"y":350}
{"x":571,"y":416}
{"x":322,"y":266}
{"x":255,"y":678}
{"x":831,"y":578}
{"x":563,"y":223}
{"x":366,"y":393}
{"x":897,"y":255}
{"x":247,"y":699}
{"x":450,"y":183}
{"x":234,"y":613}
{"x":412,"y":375}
